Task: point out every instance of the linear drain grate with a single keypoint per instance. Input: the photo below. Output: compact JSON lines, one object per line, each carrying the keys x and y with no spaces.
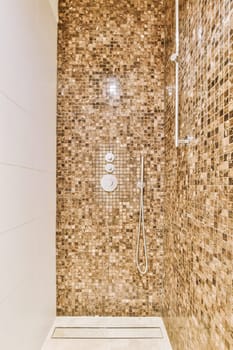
{"x":107,"y":333}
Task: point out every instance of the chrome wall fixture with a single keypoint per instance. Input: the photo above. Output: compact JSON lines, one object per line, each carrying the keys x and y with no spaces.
{"x":109,"y":181}
{"x":175,"y":58}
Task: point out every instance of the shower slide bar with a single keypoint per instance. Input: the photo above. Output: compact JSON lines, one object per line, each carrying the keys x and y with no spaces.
{"x":175,"y":58}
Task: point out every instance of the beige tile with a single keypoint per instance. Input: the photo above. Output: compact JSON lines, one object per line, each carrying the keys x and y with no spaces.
{"x":198,"y":234}
{"x":120,"y":44}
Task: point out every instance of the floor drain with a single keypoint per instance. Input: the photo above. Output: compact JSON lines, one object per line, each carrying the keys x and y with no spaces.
{"x":107,"y":333}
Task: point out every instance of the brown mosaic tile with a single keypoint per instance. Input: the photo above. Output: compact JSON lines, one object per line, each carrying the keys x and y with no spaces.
{"x":110,"y":98}
{"x":198,"y":239}
{"x":189,"y":210}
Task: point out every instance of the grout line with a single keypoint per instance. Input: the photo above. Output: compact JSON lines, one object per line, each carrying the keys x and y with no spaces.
{"x":13,"y":228}
{"x":27,"y":168}
{"x":14,"y":102}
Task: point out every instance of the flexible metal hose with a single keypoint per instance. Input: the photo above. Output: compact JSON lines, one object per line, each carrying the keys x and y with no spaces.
{"x":141,"y":223}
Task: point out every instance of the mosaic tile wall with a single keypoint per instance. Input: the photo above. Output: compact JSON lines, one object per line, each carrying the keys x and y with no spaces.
{"x":198,"y":298}
{"x":110,"y":98}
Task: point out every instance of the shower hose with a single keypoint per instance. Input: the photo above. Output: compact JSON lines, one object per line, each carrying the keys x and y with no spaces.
{"x":141,"y":223}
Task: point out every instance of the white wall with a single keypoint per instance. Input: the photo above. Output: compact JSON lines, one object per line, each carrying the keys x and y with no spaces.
{"x":54,"y":5}
{"x":27,"y":172}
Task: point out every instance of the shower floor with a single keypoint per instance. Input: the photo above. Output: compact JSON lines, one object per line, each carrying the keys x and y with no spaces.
{"x":108,"y":333}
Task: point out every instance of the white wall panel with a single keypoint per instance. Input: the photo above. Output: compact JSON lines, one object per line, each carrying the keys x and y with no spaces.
{"x":27,"y":172}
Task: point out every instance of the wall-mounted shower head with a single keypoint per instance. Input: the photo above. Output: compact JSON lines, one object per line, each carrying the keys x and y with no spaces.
{"x":174,"y":57}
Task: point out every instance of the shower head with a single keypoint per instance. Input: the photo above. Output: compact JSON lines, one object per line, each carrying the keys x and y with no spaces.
{"x":174,"y":57}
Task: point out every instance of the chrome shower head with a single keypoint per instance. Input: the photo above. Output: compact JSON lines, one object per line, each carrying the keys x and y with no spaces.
{"x":174,"y":57}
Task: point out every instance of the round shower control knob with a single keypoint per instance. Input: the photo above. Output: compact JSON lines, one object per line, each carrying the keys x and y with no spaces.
{"x":109,"y":157}
{"x":109,"y":167}
{"x":109,"y":183}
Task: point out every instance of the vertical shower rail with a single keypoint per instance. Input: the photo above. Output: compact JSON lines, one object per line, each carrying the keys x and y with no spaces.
{"x":177,"y":76}
{"x":175,"y":58}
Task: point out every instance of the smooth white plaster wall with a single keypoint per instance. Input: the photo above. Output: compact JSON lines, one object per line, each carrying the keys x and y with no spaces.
{"x":27,"y":172}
